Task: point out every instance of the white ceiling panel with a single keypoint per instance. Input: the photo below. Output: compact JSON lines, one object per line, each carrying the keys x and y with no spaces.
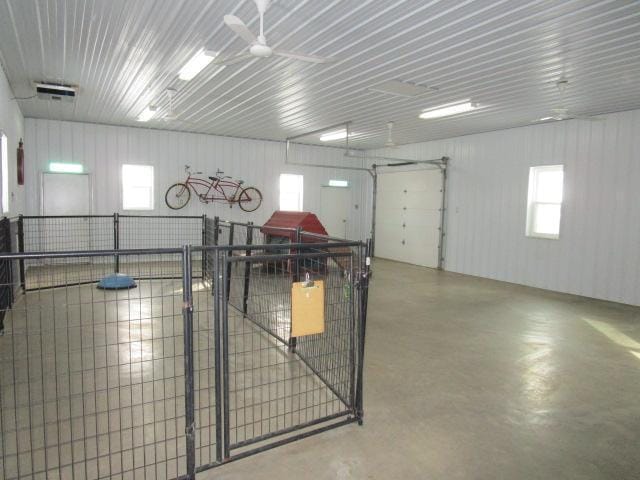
{"x":504,"y":55}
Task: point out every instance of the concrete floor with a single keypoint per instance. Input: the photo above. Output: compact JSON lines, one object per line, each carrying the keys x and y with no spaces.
{"x":468,"y":378}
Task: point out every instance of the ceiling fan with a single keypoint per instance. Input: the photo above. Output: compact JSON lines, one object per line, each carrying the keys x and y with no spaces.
{"x":172,"y":115}
{"x":258,"y":47}
{"x":390,"y":143}
{"x":562,"y":113}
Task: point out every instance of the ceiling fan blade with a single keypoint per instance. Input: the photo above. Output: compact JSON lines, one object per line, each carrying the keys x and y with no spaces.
{"x":240,"y":29}
{"x":303,"y":57}
{"x":230,"y":60}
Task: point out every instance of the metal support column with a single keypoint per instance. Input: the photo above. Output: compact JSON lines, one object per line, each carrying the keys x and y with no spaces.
{"x":443,"y":208}
{"x":373,"y":209}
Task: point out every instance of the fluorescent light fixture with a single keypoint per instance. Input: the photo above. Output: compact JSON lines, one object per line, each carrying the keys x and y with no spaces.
{"x":445,"y":111}
{"x":147,"y":114}
{"x":337,"y":135}
{"x":338,"y":183}
{"x":60,"y":167}
{"x":194,"y":66}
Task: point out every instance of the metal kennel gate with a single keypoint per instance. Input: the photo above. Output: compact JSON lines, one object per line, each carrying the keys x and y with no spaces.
{"x":194,"y":368}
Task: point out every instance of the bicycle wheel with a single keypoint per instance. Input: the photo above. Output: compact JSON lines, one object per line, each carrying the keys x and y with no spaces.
{"x":250,"y":199}
{"x":177,"y":196}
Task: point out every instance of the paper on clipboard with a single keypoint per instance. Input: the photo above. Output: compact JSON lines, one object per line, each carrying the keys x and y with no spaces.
{"x":307,"y":308}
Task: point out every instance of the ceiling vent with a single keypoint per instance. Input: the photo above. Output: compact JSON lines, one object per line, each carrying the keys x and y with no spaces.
{"x":402,"y":89}
{"x":58,"y":93}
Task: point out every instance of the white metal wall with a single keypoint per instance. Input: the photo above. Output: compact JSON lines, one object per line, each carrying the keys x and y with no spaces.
{"x":12,"y":124}
{"x":103,"y":149}
{"x":598,"y":253}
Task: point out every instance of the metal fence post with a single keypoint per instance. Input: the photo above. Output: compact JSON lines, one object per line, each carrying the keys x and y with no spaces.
{"x":116,"y":240}
{"x":225,"y":354}
{"x":217,"y":309}
{"x":247,"y":270}
{"x":363,"y":283}
{"x":189,"y":389}
{"x":228,"y":267}
{"x":21,"y":250}
{"x":216,"y":229}
{"x":296,"y":278}
{"x":203,"y":243}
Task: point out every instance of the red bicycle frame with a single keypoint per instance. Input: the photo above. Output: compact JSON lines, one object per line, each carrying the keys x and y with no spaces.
{"x":215,"y":189}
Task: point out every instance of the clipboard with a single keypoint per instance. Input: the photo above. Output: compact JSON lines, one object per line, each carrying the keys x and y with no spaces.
{"x":307,"y":308}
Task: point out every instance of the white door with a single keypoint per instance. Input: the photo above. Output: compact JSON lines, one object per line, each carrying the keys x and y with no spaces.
{"x":65,"y":194}
{"x":408,"y":216}
{"x":335,"y":206}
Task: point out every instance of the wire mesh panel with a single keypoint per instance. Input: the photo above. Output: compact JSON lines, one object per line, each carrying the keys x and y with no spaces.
{"x":64,"y":234}
{"x":276,"y":387}
{"x":92,"y":381}
{"x":68,"y":234}
{"x":164,"y":380}
{"x":205,"y":352}
{"x":159,"y":231}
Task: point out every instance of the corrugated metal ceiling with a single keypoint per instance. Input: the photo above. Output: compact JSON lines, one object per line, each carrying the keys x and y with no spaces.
{"x":505,"y":55}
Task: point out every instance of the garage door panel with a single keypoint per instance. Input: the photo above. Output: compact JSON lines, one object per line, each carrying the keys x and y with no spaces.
{"x":388,"y":244}
{"x":421,"y":218}
{"x":408,"y":216}
{"x":393,"y":216}
{"x":428,"y":200}
{"x":391,"y":199}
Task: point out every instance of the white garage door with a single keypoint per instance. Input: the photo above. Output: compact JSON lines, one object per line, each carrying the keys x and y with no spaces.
{"x":408,"y":216}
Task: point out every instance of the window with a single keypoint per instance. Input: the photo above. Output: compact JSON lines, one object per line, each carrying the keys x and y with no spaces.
{"x":545,"y":201}
{"x":137,"y":187}
{"x":4,"y":153}
{"x":291,"y":192}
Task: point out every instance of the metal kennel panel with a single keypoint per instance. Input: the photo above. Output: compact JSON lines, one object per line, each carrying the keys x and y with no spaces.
{"x":274,"y":387}
{"x":93,"y":382}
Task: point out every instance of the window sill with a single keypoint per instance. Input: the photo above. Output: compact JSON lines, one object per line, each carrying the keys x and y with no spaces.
{"x":542,"y":236}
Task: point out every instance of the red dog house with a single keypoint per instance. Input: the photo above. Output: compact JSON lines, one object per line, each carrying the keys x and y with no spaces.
{"x":281,"y":229}
{"x":283,"y":224}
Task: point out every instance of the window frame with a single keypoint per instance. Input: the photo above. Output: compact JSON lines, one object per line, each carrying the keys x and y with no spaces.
{"x":300,"y":193}
{"x":532,"y":203}
{"x":122,"y":187}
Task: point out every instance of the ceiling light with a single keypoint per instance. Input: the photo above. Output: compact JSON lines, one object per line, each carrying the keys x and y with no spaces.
{"x":337,"y":135}
{"x":196,"y":64}
{"x":147,"y":114}
{"x":445,"y":111}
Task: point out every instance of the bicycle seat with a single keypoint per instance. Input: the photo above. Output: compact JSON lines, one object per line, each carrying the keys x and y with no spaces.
{"x":213,"y":178}
{"x":240,"y":182}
